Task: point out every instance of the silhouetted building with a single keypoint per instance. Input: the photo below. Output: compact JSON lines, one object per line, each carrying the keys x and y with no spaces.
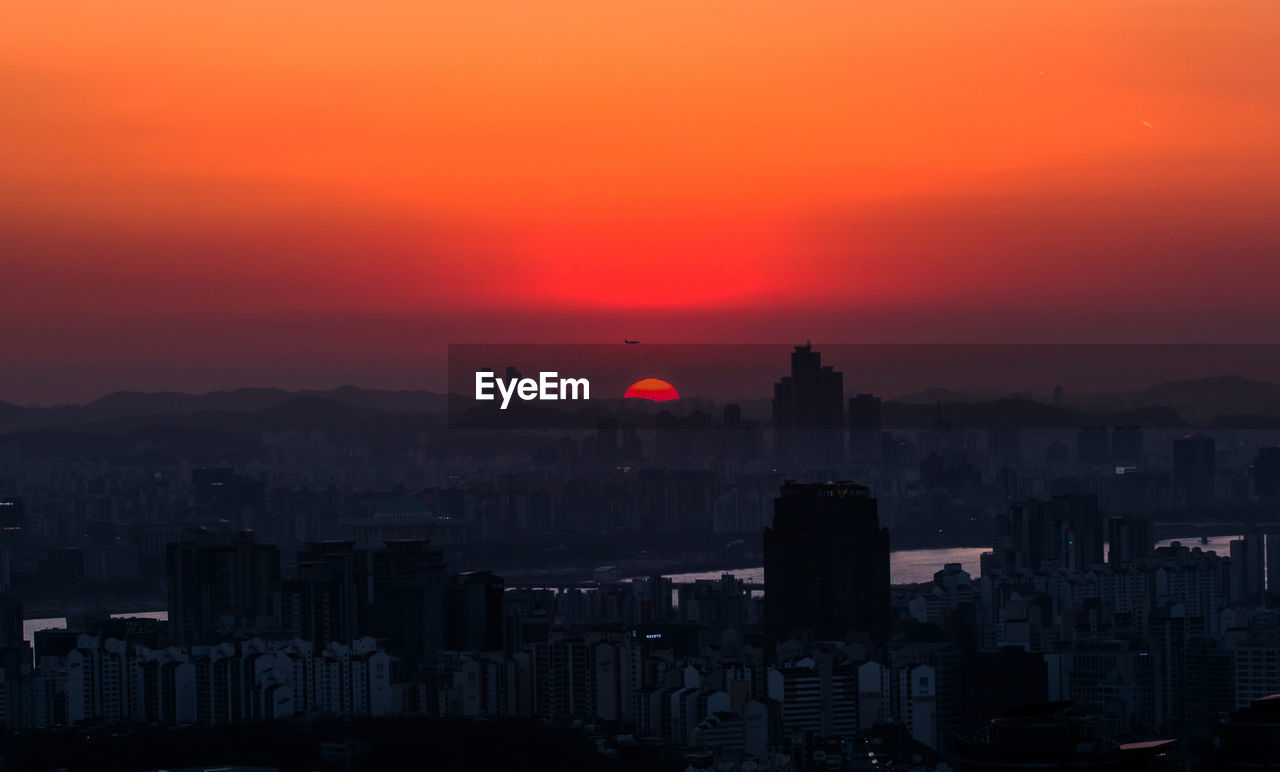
{"x":1057,"y":453}
{"x":996,"y":681}
{"x":217,"y":589}
{"x":1127,"y":446}
{"x":408,"y":599}
{"x":15,"y":666}
{"x":1020,"y":537}
{"x":1194,"y":467}
{"x":607,"y":440}
{"x":1005,"y":443}
{"x":1128,"y":538}
{"x":808,"y":413}
{"x":329,"y":601}
{"x":1093,"y":445}
{"x":1248,"y":739}
{"x":1057,"y":735}
{"x":1076,"y":531}
{"x":13,"y":513}
{"x":826,"y":563}
{"x":866,"y":421}
{"x":1248,"y":569}
{"x":1067,"y":531}
{"x":473,"y":612}
{"x":933,"y":471}
{"x":1273,"y":563}
{"x":223,"y":489}
{"x":741,"y":439}
{"x":1266,"y":474}
{"x":10,"y":619}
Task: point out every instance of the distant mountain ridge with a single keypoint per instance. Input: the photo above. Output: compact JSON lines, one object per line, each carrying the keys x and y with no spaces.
{"x":132,"y":408}
{"x":250,"y":399}
{"x":1224,"y":388}
{"x":1201,"y":401}
{"x":1229,"y":400}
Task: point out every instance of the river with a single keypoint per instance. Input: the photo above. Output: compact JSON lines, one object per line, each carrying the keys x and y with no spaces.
{"x":918,"y":566}
{"x":905,"y":567}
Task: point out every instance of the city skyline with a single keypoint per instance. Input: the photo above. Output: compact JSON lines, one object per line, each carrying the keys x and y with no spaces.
{"x":639,"y":385}
{"x":661,"y":591}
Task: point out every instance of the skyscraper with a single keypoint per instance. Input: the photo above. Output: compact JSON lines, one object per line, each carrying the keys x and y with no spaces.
{"x":1266,"y":474}
{"x":216,"y":589}
{"x":1194,"y":467}
{"x":409,"y":581}
{"x":1248,"y":568}
{"x":826,"y":563}
{"x":1129,"y":538}
{"x":329,"y":601}
{"x":1127,"y":446}
{"x":866,"y":420}
{"x":1273,"y":563}
{"x":473,"y":612}
{"x":1076,"y":531}
{"x":808,"y":413}
{"x":1093,"y":445}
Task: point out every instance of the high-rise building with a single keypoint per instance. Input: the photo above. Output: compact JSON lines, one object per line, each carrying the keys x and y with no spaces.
{"x":1027,"y":534}
{"x":1248,"y":571}
{"x":1266,"y":474}
{"x":473,"y":612}
{"x":607,"y":440}
{"x":13,"y":513}
{"x":1273,"y":563}
{"x":1076,"y":531}
{"x":866,"y":421}
{"x":808,"y":413}
{"x":409,"y":599}
{"x":329,"y":601}
{"x":1129,"y":538}
{"x":1005,"y":443}
{"x":1093,"y":445}
{"x":15,"y":666}
{"x":219,"y":588}
{"x":826,"y":563}
{"x":10,"y":619}
{"x":1127,"y":446}
{"x":1194,"y":467}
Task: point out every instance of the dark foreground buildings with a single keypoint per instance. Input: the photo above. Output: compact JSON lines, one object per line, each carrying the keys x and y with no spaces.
{"x":1059,"y":735}
{"x":826,"y":563}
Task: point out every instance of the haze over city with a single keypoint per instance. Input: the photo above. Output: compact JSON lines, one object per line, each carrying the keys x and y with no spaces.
{"x":639,"y":385}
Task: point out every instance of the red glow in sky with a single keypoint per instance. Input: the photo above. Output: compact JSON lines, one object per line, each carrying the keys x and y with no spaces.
{"x":307,"y":194}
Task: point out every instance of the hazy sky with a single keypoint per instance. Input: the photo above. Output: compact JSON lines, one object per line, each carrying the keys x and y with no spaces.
{"x":211,"y":194}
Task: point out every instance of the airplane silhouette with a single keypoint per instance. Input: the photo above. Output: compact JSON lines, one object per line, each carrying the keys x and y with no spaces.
{"x":632,"y":342}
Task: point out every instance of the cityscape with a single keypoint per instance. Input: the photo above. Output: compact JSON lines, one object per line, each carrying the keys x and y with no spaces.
{"x":1098,"y":597}
{"x":639,"y":386}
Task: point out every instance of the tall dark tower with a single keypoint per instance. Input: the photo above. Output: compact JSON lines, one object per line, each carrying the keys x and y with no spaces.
{"x":866,"y":419}
{"x":1129,"y":538}
{"x":1194,"y":467}
{"x":808,"y":413}
{"x":409,"y":581}
{"x":1075,"y":531}
{"x":329,"y":601}
{"x":218,"y":587}
{"x":826,"y":563}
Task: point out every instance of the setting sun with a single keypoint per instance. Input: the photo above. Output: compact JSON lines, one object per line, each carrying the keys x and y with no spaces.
{"x":653,"y":389}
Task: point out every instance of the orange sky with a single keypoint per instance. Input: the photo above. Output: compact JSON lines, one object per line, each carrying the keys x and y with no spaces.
{"x":632,"y":162}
